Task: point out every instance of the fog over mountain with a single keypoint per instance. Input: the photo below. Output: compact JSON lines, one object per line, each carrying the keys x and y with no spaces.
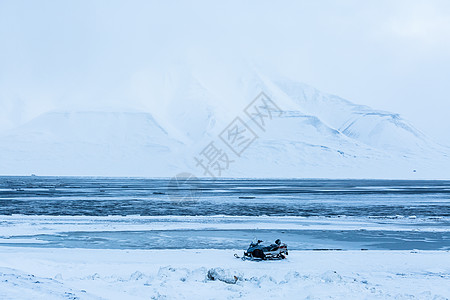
{"x":140,"y":88}
{"x":306,"y":133}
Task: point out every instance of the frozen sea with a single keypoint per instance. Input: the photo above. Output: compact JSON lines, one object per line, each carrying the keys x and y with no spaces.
{"x":131,"y":213}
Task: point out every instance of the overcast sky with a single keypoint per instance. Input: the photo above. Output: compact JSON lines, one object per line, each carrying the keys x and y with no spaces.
{"x":390,"y":55}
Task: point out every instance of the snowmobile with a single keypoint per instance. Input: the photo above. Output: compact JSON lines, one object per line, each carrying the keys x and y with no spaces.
{"x":257,"y":251}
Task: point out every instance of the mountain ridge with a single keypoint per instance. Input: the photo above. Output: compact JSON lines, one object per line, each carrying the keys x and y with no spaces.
{"x":318,"y":135}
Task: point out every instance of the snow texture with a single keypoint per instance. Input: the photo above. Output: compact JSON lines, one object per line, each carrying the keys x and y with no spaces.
{"x":317,"y":135}
{"x":216,"y":274}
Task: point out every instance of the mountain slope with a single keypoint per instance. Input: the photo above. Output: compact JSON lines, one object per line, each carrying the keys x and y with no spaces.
{"x":315,"y":135}
{"x":379,"y":129}
{"x":89,"y":143}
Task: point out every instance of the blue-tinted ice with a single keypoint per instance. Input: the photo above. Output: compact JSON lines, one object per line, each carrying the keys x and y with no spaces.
{"x":426,"y":201}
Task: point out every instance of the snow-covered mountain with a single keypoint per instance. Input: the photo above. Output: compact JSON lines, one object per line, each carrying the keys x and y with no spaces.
{"x":88,"y":142}
{"x":310,"y":134}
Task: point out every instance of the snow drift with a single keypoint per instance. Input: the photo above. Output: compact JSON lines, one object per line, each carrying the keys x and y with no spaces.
{"x":215,"y":274}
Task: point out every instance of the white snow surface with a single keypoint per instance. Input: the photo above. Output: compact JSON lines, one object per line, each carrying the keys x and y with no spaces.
{"x":317,"y":135}
{"x":32,"y":273}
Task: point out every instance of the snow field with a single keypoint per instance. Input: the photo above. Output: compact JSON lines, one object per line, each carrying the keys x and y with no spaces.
{"x":188,"y":274}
